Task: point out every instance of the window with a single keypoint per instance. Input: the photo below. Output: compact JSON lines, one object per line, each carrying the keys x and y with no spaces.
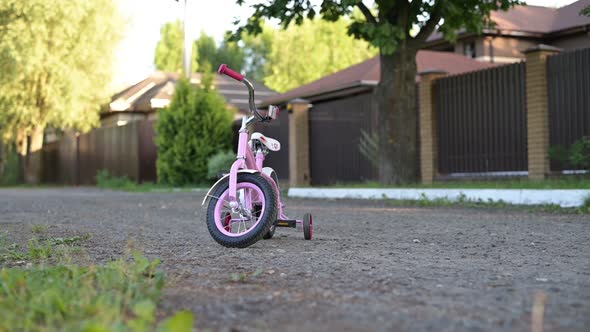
{"x":469,"y":49}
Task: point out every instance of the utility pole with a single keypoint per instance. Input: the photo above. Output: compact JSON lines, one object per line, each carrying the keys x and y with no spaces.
{"x":188,"y":47}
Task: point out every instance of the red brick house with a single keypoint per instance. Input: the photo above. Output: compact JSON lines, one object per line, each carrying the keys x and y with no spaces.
{"x":520,"y":28}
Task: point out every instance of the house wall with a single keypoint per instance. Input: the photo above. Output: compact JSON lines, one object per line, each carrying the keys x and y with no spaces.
{"x":505,"y":49}
{"x":572,"y":42}
{"x":113,"y":118}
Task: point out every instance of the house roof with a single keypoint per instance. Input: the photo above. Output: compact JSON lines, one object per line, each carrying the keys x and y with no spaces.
{"x":368,"y":74}
{"x":536,"y":19}
{"x":156,"y":92}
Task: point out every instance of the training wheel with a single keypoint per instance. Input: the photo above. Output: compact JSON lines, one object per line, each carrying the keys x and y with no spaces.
{"x":307,"y":226}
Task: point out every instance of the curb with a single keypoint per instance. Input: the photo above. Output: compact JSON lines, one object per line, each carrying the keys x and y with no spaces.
{"x":561,"y":197}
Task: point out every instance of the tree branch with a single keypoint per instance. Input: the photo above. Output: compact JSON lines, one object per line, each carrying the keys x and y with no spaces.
{"x":430,"y":25}
{"x":368,"y":15}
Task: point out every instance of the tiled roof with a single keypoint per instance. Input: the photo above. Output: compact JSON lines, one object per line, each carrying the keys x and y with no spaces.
{"x":537,"y":19}
{"x":157,"y":90}
{"x":368,"y":73}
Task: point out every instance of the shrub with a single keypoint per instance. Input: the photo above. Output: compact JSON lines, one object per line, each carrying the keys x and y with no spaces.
{"x":9,"y":168}
{"x":220,"y":163}
{"x":105,"y":180}
{"x":195,"y":126}
{"x":578,"y":154}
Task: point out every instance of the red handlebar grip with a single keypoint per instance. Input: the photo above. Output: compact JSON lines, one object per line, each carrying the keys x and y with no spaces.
{"x":224,"y":70}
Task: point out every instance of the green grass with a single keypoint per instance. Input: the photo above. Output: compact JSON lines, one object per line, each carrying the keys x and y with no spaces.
{"x":119,"y":296}
{"x":463,"y":201}
{"x":39,"y":228}
{"x":106,"y":181}
{"x":569,"y":182}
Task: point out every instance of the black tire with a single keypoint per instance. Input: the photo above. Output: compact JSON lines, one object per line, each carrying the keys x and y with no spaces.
{"x":307,"y":226}
{"x":273,"y":228}
{"x":271,"y":231}
{"x":267,"y":219}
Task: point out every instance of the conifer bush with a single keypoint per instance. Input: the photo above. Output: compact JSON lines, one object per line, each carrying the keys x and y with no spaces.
{"x":195,"y":126}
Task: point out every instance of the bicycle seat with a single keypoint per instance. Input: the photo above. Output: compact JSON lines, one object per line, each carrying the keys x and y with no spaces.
{"x":271,"y":144}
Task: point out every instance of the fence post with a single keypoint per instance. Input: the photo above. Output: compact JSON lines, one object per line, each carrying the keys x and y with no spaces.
{"x":538,"y":110}
{"x":299,"y":142}
{"x":428,"y":125}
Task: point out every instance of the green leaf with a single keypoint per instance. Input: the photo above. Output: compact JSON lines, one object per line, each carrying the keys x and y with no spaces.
{"x":181,"y":322}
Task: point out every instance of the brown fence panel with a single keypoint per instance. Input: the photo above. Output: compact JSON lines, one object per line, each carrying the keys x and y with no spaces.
{"x":335,"y":132}
{"x":68,"y":159}
{"x":482,"y":121}
{"x":279,"y":130}
{"x":50,"y":163}
{"x":148,"y":152}
{"x":568,"y":85}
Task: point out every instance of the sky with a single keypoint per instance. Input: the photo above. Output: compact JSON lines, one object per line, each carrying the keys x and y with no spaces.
{"x":145,"y":18}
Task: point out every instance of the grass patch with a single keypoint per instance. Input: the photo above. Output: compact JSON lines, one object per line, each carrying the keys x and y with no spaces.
{"x":465,"y":202}
{"x":569,"y":182}
{"x":39,"y":228}
{"x":105,"y":180}
{"x":40,"y":249}
{"x":120,"y":296}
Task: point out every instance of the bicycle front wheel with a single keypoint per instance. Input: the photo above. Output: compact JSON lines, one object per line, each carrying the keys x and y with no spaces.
{"x":251,"y":220}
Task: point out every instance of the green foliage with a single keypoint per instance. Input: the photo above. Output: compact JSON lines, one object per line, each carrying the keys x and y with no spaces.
{"x":195,"y":126}
{"x":120,"y":296}
{"x":585,"y":11}
{"x":169,"y":50}
{"x":10,"y":170}
{"x":257,"y":50}
{"x":209,"y":54}
{"x":387,"y":26}
{"x":105,"y":180}
{"x":329,"y":48}
{"x":56,"y":62}
{"x":220,"y":164}
{"x":578,"y":154}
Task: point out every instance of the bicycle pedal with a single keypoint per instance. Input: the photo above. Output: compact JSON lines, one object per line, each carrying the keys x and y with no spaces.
{"x":286,"y":223}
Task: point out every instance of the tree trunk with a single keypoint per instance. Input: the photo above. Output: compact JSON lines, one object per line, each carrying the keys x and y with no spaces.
{"x":395,"y":102}
{"x":33,"y":159}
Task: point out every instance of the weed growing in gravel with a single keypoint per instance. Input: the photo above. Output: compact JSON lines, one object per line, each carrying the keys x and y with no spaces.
{"x":244,"y":277}
{"x":121,"y":296}
{"x":39,"y":249}
{"x":39,"y":229}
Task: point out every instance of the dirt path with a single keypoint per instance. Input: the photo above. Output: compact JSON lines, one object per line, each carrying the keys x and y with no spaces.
{"x":371,"y":267}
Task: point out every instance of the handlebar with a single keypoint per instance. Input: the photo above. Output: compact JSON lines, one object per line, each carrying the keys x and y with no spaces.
{"x":224,"y":70}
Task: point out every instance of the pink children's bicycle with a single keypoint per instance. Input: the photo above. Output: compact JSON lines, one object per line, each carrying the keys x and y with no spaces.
{"x":245,"y":205}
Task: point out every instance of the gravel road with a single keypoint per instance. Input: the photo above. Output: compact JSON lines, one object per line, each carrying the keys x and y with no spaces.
{"x":370,"y":267}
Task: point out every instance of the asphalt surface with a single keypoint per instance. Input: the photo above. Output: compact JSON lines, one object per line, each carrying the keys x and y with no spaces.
{"x":370,"y":266}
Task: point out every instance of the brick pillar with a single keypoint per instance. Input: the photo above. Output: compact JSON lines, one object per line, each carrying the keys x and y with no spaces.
{"x":538,"y":110}
{"x":299,"y":142}
{"x":428,"y":125}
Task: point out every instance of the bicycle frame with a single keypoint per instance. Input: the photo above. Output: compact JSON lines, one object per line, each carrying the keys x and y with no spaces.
{"x":246,"y":160}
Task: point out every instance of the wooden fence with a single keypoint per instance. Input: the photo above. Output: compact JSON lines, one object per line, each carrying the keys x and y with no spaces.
{"x":481,"y":120}
{"x":123,"y":151}
{"x":568,"y":78}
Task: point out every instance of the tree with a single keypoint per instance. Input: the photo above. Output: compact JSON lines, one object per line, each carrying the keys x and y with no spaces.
{"x":387,"y":26}
{"x":168,"y":56}
{"x":227,"y":52}
{"x":325,"y":46}
{"x":195,"y":126}
{"x":257,"y":50}
{"x":585,"y":11}
{"x":56,"y":64}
